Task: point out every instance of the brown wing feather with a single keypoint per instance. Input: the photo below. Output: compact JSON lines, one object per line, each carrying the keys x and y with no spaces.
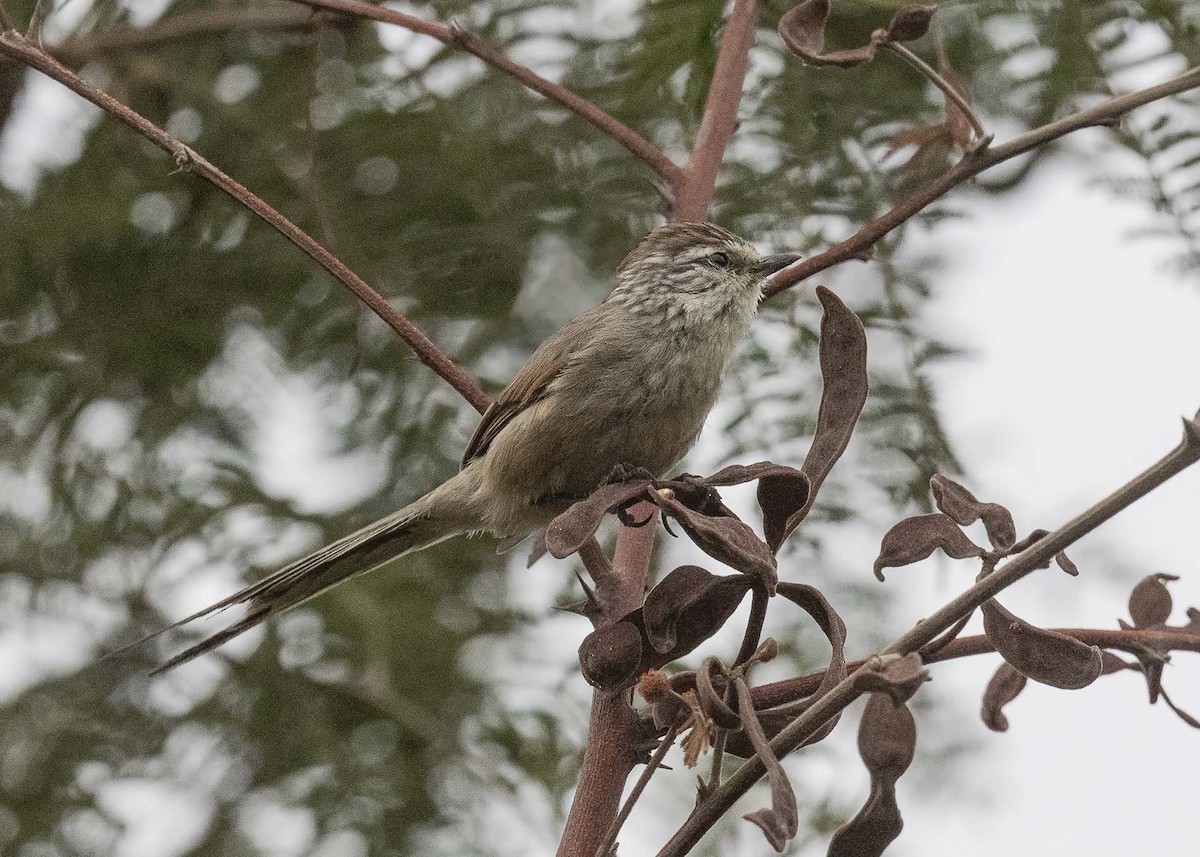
{"x":531,"y":384}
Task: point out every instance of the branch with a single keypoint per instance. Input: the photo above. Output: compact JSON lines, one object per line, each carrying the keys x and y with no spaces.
{"x":841,"y":695}
{"x":858,"y":246}
{"x":459,"y":39}
{"x":203,"y":22}
{"x":13,"y":45}
{"x":1135,"y":641}
{"x":694,"y":194}
{"x":613,"y":724}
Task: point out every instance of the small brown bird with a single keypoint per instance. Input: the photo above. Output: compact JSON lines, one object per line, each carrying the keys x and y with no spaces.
{"x":629,"y":382}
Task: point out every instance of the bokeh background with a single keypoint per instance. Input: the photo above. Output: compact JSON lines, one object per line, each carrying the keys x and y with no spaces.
{"x":186,"y":403}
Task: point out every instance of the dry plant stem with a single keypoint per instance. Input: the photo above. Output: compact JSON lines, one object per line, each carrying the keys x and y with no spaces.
{"x":982,"y":137}
{"x":612,"y":725}
{"x":660,"y":753}
{"x":1133,"y":640}
{"x":464,"y":41}
{"x":694,"y":194}
{"x":841,"y":695}
{"x":203,"y":22}
{"x":22,"y":50}
{"x":859,"y":245}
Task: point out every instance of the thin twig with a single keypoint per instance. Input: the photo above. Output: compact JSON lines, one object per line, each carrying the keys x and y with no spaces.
{"x":982,"y":137}
{"x":660,"y":753}
{"x":694,"y":194}
{"x":461,"y":40}
{"x":842,"y":694}
{"x":41,"y":11}
{"x":12,"y":44}
{"x":202,"y":22}
{"x":857,"y":246}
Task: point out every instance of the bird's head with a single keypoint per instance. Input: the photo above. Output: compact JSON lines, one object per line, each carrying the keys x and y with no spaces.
{"x":694,"y":268}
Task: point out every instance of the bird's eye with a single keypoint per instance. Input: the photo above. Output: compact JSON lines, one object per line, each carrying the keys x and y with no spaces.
{"x":718,"y":259}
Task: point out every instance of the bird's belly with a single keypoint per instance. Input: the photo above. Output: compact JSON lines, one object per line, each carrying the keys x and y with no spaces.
{"x":566,"y":445}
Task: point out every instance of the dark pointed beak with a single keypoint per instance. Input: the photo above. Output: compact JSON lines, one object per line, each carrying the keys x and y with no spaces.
{"x":771,"y":264}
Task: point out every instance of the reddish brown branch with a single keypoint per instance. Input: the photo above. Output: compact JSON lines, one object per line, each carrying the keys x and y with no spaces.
{"x":13,"y":45}
{"x":1037,"y":555}
{"x":461,"y":40}
{"x":694,"y":193}
{"x":1133,"y":641}
{"x":612,"y":727}
{"x":859,"y":245}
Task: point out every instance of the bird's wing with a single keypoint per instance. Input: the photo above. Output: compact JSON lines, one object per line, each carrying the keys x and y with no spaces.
{"x":532,"y":383}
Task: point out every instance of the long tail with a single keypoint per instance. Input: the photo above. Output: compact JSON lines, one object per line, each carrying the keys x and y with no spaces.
{"x":427,"y":521}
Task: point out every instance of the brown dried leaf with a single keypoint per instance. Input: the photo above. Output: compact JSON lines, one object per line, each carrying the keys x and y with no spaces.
{"x":843,"y":357}
{"x":961,"y":505}
{"x":1150,"y":602}
{"x":782,"y":491}
{"x":688,"y":606}
{"x":887,"y":741}
{"x":914,"y":539}
{"x":1040,"y":654}
{"x":1064,"y":562}
{"x":611,"y":657}
{"x":812,"y":601}
{"x":1005,"y":686}
{"x":725,"y":539}
{"x":898,"y":677}
{"x":568,"y":532}
{"x":1183,"y":715}
{"x":923,"y":137}
{"x":910,"y":23}
{"x":803,"y":31}
{"x":887,"y":736}
{"x":699,"y":738}
{"x":779,"y":823}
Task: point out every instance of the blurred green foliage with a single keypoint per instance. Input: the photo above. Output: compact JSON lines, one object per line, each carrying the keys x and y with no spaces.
{"x":152,"y":333}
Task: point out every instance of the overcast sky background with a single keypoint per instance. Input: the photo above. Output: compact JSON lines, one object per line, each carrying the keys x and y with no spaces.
{"x":1084,"y":350}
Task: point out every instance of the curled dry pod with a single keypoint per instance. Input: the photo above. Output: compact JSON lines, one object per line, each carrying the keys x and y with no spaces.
{"x":688,"y":606}
{"x":727,"y":540}
{"x":1040,"y":654}
{"x":843,"y":356}
{"x":962,"y":507}
{"x":914,"y":539}
{"x":782,"y":492}
{"x":887,"y":739}
{"x":1005,"y":686}
{"x":803,"y":31}
{"x":1150,"y":602}
{"x":781,"y":820}
{"x":610,"y":657}
{"x":567,"y":532}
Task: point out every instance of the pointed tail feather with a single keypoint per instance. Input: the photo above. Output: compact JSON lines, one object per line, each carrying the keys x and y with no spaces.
{"x":410,"y":529}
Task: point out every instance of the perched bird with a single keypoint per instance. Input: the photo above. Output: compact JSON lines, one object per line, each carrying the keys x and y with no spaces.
{"x":629,"y":382}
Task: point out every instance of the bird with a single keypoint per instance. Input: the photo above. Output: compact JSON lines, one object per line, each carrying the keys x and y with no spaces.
{"x":627,"y":384}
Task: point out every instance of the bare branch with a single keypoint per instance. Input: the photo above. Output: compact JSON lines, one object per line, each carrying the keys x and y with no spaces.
{"x":13,"y":45}
{"x":841,"y":695}
{"x":461,"y":40}
{"x":857,"y":246}
{"x":694,"y":194}
{"x":203,"y":22}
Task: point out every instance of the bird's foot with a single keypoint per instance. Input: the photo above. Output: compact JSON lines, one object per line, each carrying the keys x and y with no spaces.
{"x":627,"y":473}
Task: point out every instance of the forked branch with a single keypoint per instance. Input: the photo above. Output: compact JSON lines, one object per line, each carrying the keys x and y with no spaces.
{"x":19,"y":48}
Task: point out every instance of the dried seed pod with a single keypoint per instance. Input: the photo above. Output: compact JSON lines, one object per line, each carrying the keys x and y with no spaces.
{"x":1150,"y":602}
{"x":1040,"y":654}
{"x":1005,"y":686}
{"x":803,"y":31}
{"x":914,"y":539}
